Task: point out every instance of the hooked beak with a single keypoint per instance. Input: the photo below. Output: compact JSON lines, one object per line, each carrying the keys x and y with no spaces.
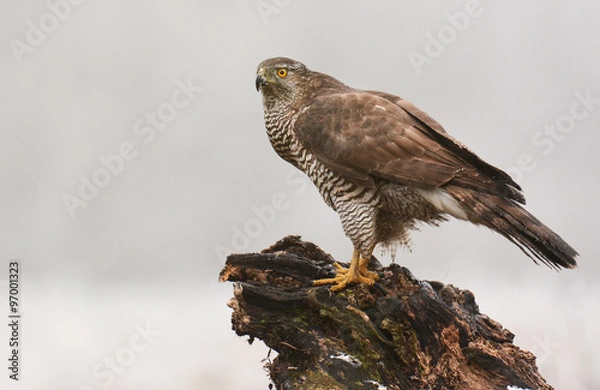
{"x":260,"y":79}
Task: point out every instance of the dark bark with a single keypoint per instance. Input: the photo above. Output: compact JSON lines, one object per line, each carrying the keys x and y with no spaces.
{"x":401,"y":333}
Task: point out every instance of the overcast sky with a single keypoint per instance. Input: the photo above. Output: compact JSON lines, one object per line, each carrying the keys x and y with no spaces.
{"x":134,"y":158}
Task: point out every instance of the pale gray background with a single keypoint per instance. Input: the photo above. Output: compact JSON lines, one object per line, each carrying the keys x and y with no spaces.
{"x":145,"y":249}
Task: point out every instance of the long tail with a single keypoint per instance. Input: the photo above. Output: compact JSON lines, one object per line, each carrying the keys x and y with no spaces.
{"x":515,"y":223}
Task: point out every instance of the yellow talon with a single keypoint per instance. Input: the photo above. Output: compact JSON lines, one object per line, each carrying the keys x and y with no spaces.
{"x":357,"y":273}
{"x":340,"y":267}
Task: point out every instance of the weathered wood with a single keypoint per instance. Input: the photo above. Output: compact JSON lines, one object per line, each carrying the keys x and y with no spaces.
{"x":401,"y":333}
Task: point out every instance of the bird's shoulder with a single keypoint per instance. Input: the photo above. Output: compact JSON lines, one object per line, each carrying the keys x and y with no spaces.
{"x":339,"y":114}
{"x":361,"y":107}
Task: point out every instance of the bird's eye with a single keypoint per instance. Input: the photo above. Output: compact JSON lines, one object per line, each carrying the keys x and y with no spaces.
{"x":282,"y":72}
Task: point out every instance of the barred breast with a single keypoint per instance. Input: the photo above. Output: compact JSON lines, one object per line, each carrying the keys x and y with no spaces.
{"x":356,"y":205}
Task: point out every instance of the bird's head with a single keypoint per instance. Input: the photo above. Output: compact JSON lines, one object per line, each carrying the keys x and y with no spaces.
{"x":281,"y":80}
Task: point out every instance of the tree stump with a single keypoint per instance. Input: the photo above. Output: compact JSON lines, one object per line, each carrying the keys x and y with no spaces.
{"x":399,"y":334}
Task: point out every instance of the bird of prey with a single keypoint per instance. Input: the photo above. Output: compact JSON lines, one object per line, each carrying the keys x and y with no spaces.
{"x":383,"y":165}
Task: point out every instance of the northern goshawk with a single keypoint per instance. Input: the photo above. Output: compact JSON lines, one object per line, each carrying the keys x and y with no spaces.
{"x":382,"y":164}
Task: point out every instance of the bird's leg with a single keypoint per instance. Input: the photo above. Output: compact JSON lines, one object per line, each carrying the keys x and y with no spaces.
{"x":357,"y":273}
{"x":363,"y":269}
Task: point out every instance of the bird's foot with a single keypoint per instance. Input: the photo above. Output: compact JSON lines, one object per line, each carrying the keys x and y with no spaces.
{"x":357,"y":273}
{"x":362,"y":269}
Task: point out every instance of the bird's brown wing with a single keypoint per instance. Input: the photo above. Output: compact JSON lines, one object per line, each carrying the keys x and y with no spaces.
{"x":366,"y":135}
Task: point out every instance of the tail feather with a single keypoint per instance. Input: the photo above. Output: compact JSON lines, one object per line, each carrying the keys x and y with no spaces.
{"x":515,"y":223}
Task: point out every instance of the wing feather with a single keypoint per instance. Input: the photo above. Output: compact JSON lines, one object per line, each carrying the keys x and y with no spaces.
{"x":365,"y":135}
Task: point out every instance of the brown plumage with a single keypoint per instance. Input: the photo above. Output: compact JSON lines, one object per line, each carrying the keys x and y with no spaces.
{"x":383,"y":165}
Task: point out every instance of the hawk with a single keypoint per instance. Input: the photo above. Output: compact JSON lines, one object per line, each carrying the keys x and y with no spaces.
{"x":383,"y":165}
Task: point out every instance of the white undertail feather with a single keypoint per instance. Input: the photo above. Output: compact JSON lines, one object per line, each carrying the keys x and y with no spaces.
{"x":443,"y":202}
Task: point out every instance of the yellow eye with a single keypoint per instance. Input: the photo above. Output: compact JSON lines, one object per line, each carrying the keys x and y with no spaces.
{"x":282,"y":72}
